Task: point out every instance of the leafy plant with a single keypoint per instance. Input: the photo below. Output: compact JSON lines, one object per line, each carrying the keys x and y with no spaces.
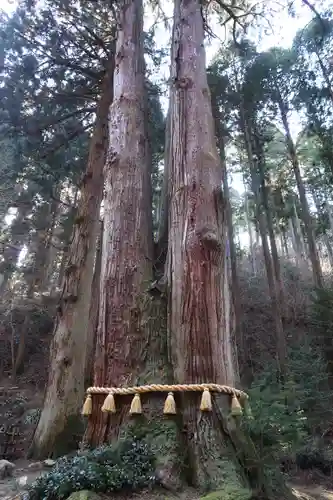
{"x":285,"y":414}
{"x":129,"y":465}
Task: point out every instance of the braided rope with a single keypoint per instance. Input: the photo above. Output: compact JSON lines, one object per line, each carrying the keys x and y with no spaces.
{"x":224,"y":389}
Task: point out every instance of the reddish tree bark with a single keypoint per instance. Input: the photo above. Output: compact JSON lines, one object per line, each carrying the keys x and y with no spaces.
{"x":199,"y":300}
{"x":127,"y":250}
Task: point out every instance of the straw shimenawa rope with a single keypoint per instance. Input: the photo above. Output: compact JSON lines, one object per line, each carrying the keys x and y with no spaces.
{"x":169,"y":406}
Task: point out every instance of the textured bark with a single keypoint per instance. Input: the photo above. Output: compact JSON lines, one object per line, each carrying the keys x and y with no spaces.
{"x":199,"y":298}
{"x":93,"y":311}
{"x":313,"y":254}
{"x":127,"y":250}
{"x":65,"y":390}
{"x":131,"y":345}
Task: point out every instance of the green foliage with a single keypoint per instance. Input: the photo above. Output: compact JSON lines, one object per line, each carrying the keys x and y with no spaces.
{"x":315,"y":453}
{"x":286,"y":414}
{"x":229,"y":492}
{"x":127,"y":466}
{"x":322,"y":311}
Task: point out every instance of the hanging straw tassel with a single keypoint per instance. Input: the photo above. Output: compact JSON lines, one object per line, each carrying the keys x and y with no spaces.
{"x":87,"y":407}
{"x":247,"y":409}
{"x":109,"y":404}
{"x":170,"y":405}
{"x":136,"y":408}
{"x":236,"y":409}
{"x":206,"y":401}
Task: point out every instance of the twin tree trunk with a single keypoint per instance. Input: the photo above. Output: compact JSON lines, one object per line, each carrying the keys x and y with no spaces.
{"x":131,"y":347}
{"x":63,"y":400}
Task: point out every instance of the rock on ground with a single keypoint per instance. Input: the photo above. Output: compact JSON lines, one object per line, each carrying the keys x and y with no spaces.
{"x":6,"y":469}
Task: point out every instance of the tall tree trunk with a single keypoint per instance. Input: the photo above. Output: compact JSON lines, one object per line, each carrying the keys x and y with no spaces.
{"x":236,"y":292}
{"x":199,"y":326}
{"x":249,"y":229}
{"x":284,"y":242}
{"x":313,"y":254}
{"x":63,"y":400}
{"x":281,"y":349}
{"x":298,"y":235}
{"x":274,"y":252}
{"x":131,"y":338}
{"x":281,"y":352}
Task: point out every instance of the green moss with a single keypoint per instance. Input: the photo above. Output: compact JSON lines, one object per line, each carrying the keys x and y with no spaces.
{"x":162,"y":437}
{"x":229,"y":492}
{"x":84,"y":495}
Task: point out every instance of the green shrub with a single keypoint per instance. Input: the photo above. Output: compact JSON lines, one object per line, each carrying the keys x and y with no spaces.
{"x":286,"y":415}
{"x":126,"y":466}
{"x":315,"y":454}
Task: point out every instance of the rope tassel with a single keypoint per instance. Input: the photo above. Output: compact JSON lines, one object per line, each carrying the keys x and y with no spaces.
{"x":170,"y":405}
{"x":136,"y":407}
{"x":87,"y":407}
{"x":206,"y":401}
{"x":236,"y":409}
{"x":109,"y":404}
{"x":247,"y":409}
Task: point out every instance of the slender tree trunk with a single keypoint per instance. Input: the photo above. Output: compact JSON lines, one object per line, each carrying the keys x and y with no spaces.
{"x":284,"y":242}
{"x":236,"y":291}
{"x":281,"y":350}
{"x":162,"y":238}
{"x":316,"y":268}
{"x":249,"y":229}
{"x":65,"y":390}
{"x":274,"y":252}
{"x":298,"y":235}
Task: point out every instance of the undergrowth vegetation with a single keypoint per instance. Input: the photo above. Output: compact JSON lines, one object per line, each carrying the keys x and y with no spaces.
{"x":127,"y":466}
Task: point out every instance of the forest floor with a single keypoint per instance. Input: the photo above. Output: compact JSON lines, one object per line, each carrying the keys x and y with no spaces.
{"x":13,"y":488}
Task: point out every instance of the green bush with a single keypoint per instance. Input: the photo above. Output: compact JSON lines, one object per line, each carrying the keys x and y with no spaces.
{"x":285,"y":415}
{"x":126,"y":466}
{"x":315,"y":454}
